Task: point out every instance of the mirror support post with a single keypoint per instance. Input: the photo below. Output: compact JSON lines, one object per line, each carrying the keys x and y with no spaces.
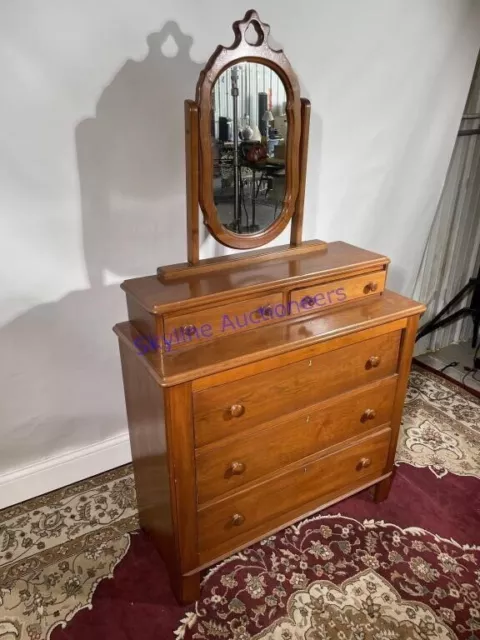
{"x":192,"y":158}
{"x":297,"y":219}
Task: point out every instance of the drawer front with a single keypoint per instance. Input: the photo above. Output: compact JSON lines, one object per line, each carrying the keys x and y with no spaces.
{"x":231,"y":408}
{"x":318,"y":297}
{"x":234,"y":515}
{"x":230,"y":318}
{"x":228,"y":466}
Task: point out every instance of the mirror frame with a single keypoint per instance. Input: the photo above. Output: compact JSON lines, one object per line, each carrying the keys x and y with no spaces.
{"x":223,"y":58}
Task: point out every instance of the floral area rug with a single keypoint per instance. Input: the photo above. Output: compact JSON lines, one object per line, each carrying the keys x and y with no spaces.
{"x":55,"y":549}
{"x":441,"y":427}
{"x":406,"y":568}
{"x":334,"y":577}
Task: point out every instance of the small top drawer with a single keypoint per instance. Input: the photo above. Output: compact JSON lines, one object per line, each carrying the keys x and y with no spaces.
{"x":233,"y":407}
{"x":213,"y":322}
{"x":319,"y":296}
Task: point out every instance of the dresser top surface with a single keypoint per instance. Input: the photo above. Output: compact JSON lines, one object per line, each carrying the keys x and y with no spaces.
{"x":330,"y":260}
{"x":201,"y":359}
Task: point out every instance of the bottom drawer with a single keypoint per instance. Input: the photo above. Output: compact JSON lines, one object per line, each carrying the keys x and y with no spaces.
{"x":233,"y":516}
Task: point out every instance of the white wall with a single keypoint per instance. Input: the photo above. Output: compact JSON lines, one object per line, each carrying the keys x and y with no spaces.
{"x":92,"y":178}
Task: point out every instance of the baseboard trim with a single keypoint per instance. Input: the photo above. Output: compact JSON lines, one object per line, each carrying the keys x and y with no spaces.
{"x":61,"y":470}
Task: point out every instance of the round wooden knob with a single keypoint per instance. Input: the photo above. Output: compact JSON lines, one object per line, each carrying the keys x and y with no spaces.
{"x":237,"y":519}
{"x":363,"y":463}
{"x":371,"y":286}
{"x":189,"y":330}
{"x":237,"y":410}
{"x":236,"y":468}
{"x":368,"y":414}
{"x":267,"y":311}
{"x":307,"y":302}
{"x":373,"y":362}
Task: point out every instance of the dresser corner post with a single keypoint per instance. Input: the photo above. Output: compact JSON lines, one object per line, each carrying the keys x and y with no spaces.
{"x":382,"y":489}
{"x":186,"y":588}
{"x":181,"y":447}
{"x":150,"y":411}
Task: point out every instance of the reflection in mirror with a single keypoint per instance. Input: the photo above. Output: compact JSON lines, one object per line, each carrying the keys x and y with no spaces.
{"x":249,"y":130}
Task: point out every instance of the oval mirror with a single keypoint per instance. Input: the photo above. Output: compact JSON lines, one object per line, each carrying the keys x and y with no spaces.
{"x":249,"y":124}
{"x":250,"y":130}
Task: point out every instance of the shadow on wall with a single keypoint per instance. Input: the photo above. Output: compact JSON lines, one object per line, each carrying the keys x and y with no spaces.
{"x":131,"y":163}
{"x":313,"y":223}
{"x":63,"y":388}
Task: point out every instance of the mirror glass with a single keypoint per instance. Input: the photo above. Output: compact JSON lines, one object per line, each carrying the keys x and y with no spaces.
{"x":249,"y":135}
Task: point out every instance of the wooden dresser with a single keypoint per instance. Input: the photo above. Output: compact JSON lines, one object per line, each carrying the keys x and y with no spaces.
{"x":236,"y":434}
{"x":263,"y":386}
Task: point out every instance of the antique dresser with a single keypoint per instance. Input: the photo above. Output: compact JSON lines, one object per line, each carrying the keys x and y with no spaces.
{"x":265,"y":385}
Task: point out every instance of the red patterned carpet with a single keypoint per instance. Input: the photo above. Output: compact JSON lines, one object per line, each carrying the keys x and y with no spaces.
{"x":432,"y":583}
{"x":408,"y":568}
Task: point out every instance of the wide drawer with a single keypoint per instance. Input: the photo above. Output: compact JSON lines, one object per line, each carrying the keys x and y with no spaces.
{"x":320,"y":296}
{"x":213,"y":322}
{"x":236,"y":461}
{"x":224,"y":520}
{"x":231,"y":408}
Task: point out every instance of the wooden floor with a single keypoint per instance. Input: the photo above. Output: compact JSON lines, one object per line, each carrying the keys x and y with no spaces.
{"x":462,"y":354}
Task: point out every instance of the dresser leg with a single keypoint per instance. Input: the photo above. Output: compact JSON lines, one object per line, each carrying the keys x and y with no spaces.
{"x":382,"y":489}
{"x":187,"y":588}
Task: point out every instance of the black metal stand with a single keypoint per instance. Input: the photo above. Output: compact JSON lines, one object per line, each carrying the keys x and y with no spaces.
{"x":474,"y":310}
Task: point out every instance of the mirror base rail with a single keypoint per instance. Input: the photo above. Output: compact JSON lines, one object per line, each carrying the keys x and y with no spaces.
{"x":220,"y":263}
